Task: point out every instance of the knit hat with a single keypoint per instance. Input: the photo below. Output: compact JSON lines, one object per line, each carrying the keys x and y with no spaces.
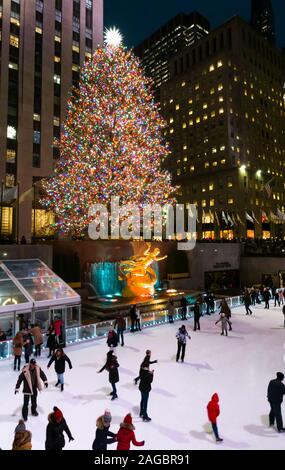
{"x":21,"y":426}
{"x":128,"y":419}
{"x":107,"y":418}
{"x":280,"y":376}
{"x":148,"y":352}
{"x":33,"y":361}
{"x":57,"y":414}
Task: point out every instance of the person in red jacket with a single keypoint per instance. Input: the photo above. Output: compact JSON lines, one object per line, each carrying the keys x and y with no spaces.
{"x":126,"y":435}
{"x":213,"y":409}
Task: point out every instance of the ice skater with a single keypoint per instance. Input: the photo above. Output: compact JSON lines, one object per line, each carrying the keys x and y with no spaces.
{"x":224,"y":308}
{"x":146,"y":378}
{"x":197,"y":316}
{"x":126,"y":435}
{"x":18,"y":343}
{"x":112,"y":339}
{"x":55,"y":429}
{"x":103,"y":435}
{"x":60,"y":358}
{"x":225,"y":322}
{"x":112,"y":367}
{"x":22,"y":438}
{"x":38,"y":339}
{"x":120,"y":324}
{"x":28,"y":345}
{"x":145,"y":361}
{"x":275,"y":392}
{"x":181,"y":336}
{"x":171,"y":311}
{"x":213,"y":410}
{"x":184,"y":305}
{"x":33,"y":378}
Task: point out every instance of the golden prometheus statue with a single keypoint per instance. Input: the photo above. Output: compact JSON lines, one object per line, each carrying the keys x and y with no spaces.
{"x":140,"y":278}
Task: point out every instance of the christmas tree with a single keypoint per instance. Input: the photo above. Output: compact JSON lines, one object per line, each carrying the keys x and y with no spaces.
{"x":111,"y":142}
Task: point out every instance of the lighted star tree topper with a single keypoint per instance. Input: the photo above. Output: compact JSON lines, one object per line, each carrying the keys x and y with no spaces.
{"x":111,"y":141}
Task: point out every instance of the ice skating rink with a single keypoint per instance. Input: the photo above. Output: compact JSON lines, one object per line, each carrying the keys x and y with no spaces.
{"x":237,"y":367}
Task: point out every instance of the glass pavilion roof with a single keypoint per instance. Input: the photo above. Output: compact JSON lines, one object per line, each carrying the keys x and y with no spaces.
{"x":27,"y":284}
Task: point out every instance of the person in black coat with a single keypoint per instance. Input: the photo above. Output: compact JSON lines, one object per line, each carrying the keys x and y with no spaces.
{"x":197,"y":315}
{"x":145,"y":361}
{"x":28,"y":345}
{"x":146,"y":378}
{"x":33,"y":378}
{"x":55,"y":429}
{"x":112,"y":339}
{"x":133,"y":316}
{"x":112,"y":367}
{"x":275,"y":392}
{"x":184,"y":304}
{"x":51,"y":341}
{"x":102,"y":432}
{"x":59,"y":359}
{"x":266,"y":298}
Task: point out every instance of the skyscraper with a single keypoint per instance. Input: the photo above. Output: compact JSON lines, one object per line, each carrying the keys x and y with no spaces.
{"x":43,"y":43}
{"x":262,"y":18}
{"x":225,"y":107}
{"x":173,"y":37}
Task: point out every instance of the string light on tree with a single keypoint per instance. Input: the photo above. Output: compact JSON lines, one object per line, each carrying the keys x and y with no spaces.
{"x":111,"y":142}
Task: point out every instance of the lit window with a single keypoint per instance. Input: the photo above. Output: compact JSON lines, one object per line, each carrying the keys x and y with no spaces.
{"x":221,"y":111}
{"x":75,"y":49}
{"x":37,"y":137}
{"x":214,"y":150}
{"x":222,"y":148}
{"x":11,"y":156}
{"x":184,"y":125}
{"x":198,"y":119}
{"x":221,"y":99}
{"x":11,"y":132}
{"x":178,"y":172}
{"x":213,"y":114}
{"x":185,"y":147}
{"x":236,"y":79}
{"x":223,"y":161}
{"x":205,"y":117}
{"x":203,"y":190}
{"x":183,"y":84}
{"x":57,"y":59}
{"x":220,"y":87}
{"x":204,"y":203}
{"x":39,"y":30}
{"x":212,"y":92}
{"x":205,"y":106}
{"x":246,"y":115}
{"x":207,"y":164}
{"x":56,"y":79}
{"x":220,"y":63}
{"x":75,"y":68}
{"x":36,"y":117}
{"x":57,"y":39}
{"x":190,"y":101}
{"x":215,"y":163}
{"x":190,"y":112}
{"x":211,"y":68}
{"x":197,"y":86}
{"x":230,"y":201}
{"x":171,"y":131}
{"x":177,"y":107}
{"x":211,"y":187}
{"x":14,"y":41}
{"x":192,"y":168}
{"x":212,"y":202}
{"x":230,"y":184}
{"x":191,"y":122}
{"x":171,"y":100}
{"x":171,"y":120}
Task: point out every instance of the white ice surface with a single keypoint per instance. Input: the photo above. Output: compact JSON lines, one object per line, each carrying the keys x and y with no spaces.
{"x":238,"y":368}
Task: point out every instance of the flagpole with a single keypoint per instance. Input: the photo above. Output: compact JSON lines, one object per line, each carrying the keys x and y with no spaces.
{"x":18,"y":212}
{"x":2,"y":197}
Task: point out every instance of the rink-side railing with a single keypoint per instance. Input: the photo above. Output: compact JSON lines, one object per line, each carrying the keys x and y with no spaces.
{"x":79,"y":334}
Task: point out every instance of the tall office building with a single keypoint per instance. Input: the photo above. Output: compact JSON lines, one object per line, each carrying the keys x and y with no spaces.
{"x":173,"y":37}
{"x":262,"y":18}
{"x":225,"y":109}
{"x":43,"y":43}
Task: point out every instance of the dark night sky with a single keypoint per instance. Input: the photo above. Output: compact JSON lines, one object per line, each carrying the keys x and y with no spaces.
{"x":137,"y":19}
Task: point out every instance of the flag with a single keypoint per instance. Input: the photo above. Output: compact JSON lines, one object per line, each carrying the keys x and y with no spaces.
{"x":264,"y":217}
{"x":239,"y":220}
{"x":273,"y":217}
{"x":10,"y":194}
{"x":255,"y":218}
{"x":280,"y":215}
{"x":249,"y":218}
{"x":217,"y":218}
{"x":230,"y":219}
{"x":224,"y":217}
{"x":268,"y":188}
{"x":27,"y":195}
{"x":234,"y":219}
{"x":212,"y":217}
